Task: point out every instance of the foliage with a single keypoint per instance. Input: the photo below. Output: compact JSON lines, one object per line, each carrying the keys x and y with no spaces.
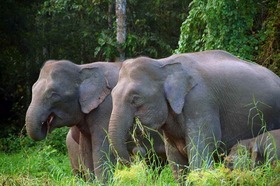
{"x":16,"y":143}
{"x":154,"y":30}
{"x":75,"y":24}
{"x":16,"y":51}
{"x":233,"y":26}
{"x":57,"y":139}
{"x":269,"y":53}
{"x":34,"y":166}
{"x":87,"y":28}
{"x":223,"y":176}
{"x":219,"y":24}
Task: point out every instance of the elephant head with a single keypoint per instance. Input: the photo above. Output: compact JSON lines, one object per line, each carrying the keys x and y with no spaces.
{"x":62,"y":95}
{"x":149,"y":90}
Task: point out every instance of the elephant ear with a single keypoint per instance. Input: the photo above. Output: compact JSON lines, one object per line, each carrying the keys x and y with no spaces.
{"x":176,"y":86}
{"x":94,"y":88}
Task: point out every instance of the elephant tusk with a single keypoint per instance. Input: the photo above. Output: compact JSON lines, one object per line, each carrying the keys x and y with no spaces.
{"x":50,"y":119}
{"x":49,"y":122}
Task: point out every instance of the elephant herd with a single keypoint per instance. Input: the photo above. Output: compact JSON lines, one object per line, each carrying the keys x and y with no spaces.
{"x":198,"y":105}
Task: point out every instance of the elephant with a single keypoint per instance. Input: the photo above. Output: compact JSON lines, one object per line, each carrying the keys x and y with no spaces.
{"x":78,"y":96}
{"x":261,"y":148}
{"x":203,"y":101}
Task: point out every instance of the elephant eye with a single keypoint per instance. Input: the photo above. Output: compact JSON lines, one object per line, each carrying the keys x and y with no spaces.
{"x":136,"y":100}
{"x":54,"y":96}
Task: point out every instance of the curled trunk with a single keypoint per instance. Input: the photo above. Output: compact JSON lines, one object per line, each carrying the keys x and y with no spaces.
{"x":36,"y":127}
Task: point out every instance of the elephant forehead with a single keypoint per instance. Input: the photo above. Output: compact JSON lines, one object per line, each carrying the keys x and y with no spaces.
{"x":40,"y":86}
{"x":130,"y":89}
{"x":59,"y":69}
{"x":138,"y":71}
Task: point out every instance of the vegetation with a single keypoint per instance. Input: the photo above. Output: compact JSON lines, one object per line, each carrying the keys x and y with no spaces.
{"x":245,"y":28}
{"x":85,"y":31}
{"x":43,"y":164}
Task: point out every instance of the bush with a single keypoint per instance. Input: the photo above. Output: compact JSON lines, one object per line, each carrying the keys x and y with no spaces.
{"x":16,"y":143}
{"x":247,"y":29}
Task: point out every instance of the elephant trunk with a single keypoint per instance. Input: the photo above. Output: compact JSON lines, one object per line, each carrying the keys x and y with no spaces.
{"x":36,"y":127}
{"x":118,"y":131}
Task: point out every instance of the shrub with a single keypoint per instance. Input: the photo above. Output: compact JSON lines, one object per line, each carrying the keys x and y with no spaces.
{"x":16,"y":143}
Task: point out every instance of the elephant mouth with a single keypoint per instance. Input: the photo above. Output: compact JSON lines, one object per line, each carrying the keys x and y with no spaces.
{"x":47,"y":125}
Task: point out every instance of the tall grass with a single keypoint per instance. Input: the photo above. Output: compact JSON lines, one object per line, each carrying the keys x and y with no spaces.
{"x":48,"y":167}
{"x":47,"y":164}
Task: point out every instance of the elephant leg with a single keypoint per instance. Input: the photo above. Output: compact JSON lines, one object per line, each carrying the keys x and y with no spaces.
{"x":73,"y":152}
{"x":85,"y":150}
{"x":263,"y":148}
{"x":200,"y":152}
{"x":177,"y":162}
{"x":203,"y":137}
{"x":101,"y":155}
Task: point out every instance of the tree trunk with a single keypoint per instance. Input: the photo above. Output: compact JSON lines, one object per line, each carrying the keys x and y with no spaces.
{"x":121,"y":26}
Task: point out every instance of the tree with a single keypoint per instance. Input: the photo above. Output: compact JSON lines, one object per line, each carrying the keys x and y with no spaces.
{"x":121,"y":26}
{"x":241,"y":27}
{"x":16,"y":60}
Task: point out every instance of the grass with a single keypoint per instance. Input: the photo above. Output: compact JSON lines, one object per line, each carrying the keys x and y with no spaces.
{"x":46,"y":166}
{"x":46,"y":163}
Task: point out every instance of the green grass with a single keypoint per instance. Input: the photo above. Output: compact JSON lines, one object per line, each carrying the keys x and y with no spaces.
{"x":23,"y":162}
{"x":46,"y":166}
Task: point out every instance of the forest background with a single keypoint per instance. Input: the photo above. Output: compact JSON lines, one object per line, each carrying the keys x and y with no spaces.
{"x":84,"y":31}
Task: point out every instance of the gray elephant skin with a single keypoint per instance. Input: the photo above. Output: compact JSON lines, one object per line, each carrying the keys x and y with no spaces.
{"x":264,"y":147}
{"x":79,"y":96}
{"x":202,"y":101}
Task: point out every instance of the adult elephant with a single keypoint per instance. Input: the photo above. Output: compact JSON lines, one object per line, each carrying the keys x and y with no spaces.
{"x":77,"y":96}
{"x":200,"y":101}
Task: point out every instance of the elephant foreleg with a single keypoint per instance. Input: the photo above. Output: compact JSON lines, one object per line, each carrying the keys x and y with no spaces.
{"x":176,"y":161}
{"x":203,"y":137}
{"x":101,"y":155}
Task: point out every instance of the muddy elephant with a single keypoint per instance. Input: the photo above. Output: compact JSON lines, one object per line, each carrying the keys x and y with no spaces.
{"x":204,"y":102}
{"x":264,"y":147}
{"x":67,"y":94}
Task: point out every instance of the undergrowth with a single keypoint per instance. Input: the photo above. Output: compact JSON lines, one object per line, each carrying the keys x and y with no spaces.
{"x":45,"y":165}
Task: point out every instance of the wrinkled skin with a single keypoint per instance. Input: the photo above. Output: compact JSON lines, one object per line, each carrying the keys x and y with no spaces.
{"x":200,"y":100}
{"x":261,"y":148}
{"x":77,"y":96}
